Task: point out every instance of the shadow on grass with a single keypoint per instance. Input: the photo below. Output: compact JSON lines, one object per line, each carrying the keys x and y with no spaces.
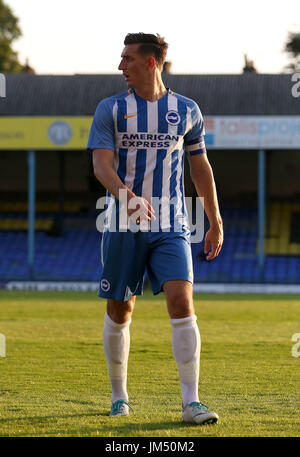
{"x":46,"y":418}
{"x":117,"y":427}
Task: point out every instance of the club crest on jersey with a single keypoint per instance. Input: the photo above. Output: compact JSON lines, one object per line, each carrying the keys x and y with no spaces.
{"x":172,"y":117}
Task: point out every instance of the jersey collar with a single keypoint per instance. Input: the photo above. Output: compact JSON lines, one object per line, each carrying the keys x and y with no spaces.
{"x":132,"y":91}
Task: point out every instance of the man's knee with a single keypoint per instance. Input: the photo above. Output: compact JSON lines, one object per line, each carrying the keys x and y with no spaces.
{"x":179,"y":296}
{"x":181,"y":306}
{"x":120,"y":312}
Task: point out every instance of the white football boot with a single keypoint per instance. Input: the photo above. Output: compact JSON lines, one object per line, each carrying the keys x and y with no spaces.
{"x":198,"y":413}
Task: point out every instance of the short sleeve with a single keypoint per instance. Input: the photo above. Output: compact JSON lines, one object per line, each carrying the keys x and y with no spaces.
{"x":194,"y":139}
{"x":102,"y":128}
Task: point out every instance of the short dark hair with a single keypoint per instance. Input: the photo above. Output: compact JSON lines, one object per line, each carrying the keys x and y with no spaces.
{"x":149,"y":45}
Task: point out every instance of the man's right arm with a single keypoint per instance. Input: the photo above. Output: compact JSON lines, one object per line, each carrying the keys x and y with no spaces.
{"x":104,"y":171}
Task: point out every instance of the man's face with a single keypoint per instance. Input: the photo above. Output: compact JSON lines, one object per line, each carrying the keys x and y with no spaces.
{"x":133,"y":65}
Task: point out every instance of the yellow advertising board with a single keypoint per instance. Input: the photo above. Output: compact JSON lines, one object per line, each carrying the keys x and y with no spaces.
{"x":44,"y":132}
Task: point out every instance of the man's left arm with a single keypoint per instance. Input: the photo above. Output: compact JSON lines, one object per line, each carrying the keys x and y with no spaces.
{"x":203,"y":179}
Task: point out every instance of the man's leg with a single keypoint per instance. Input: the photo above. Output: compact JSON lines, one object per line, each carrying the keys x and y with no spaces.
{"x":186,"y":341}
{"x":116,"y":343}
{"x":186,"y":344}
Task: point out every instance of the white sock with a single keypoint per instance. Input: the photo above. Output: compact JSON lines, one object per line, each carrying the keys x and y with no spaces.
{"x":116,"y":343}
{"x":186,"y":344}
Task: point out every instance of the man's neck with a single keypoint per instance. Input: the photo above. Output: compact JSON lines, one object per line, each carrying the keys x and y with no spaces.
{"x":152,"y":90}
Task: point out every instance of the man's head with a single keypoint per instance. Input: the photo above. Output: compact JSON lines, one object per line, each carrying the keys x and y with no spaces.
{"x":143,"y":54}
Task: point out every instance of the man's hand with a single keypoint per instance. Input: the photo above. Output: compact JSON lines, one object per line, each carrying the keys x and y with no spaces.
{"x":139,"y":209}
{"x":213,"y":239}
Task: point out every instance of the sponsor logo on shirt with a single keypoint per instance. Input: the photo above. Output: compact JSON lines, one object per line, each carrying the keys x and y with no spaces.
{"x":127,"y":116}
{"x":148,"y":140}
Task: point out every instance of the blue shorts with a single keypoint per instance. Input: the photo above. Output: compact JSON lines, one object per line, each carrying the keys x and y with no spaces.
{"x":126,"y":256}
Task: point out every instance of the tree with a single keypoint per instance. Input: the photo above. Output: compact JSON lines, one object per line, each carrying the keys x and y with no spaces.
{"x":9,"y":31}
{"x":292,"y":47}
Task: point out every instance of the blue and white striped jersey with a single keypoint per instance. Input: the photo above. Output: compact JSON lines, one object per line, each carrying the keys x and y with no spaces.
{"x":149,"y":140}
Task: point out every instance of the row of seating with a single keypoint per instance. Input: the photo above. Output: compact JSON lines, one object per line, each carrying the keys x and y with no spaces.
{"x":40,"y":206}
{"x":74,"y":254}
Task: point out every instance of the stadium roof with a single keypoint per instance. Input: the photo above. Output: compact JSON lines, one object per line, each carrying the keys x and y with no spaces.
{"x":78,"y":95}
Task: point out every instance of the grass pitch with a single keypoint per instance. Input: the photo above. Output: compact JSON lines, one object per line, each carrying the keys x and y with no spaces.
{"x":53,"y":380}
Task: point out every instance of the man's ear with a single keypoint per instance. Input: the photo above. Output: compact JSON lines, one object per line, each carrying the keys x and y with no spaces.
{"x":151,"y":63}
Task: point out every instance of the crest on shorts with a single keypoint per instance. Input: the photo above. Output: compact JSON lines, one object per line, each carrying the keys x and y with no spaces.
{"x":105,"y":285}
